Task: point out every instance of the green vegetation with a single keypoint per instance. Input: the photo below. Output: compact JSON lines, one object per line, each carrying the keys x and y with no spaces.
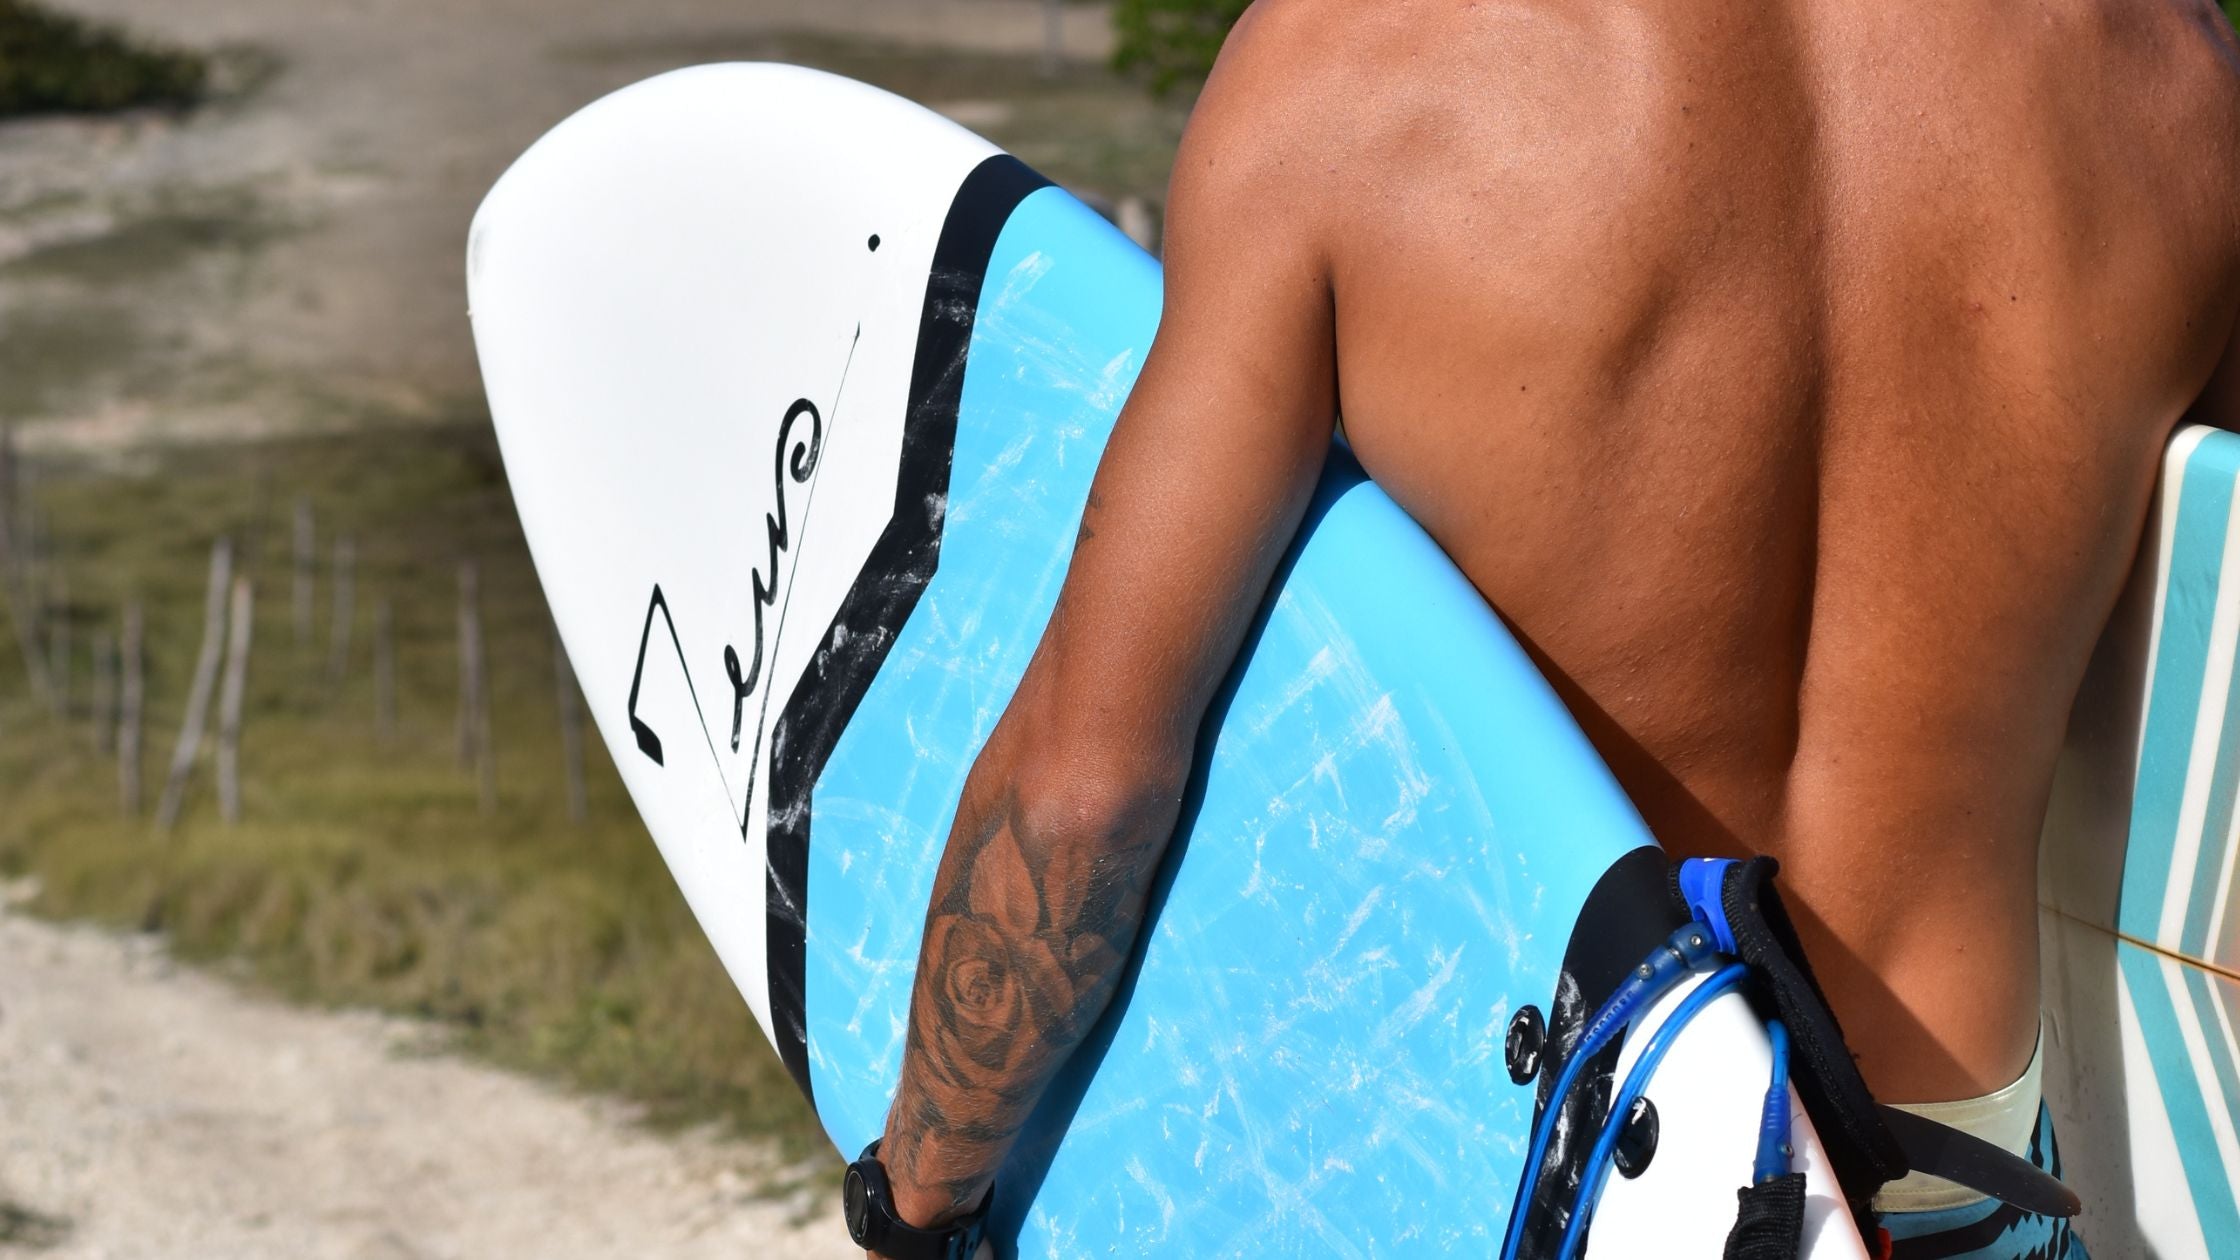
{"x":51,"y":63}
{"x":363,"y":873}
{"x":1172,"y":41}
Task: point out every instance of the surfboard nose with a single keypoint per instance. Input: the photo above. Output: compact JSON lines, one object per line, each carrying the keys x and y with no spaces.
{"x":674,"y":288}
{"x":728,"y":134}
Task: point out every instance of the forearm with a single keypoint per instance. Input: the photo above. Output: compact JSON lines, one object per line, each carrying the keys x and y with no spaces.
{"x":1202,"y":486}
{"x":1034,"y":910}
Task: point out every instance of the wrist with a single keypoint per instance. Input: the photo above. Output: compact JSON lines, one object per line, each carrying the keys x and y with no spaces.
{"x":929,"y":1228}
{"x":928,"y":1209}
{"x":916,"y":1199}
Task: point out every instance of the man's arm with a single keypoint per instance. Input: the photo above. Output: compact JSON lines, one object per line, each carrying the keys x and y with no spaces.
{"x":1071,"y":804}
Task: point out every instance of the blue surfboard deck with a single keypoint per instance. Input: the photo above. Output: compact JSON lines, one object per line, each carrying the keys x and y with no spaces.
{"x":1396,"y":840}
{"x":1392,"y":835}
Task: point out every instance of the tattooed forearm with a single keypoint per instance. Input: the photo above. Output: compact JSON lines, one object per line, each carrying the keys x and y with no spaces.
{"x":1029,"y":926}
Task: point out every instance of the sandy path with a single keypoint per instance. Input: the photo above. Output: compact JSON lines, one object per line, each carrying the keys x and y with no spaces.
{"x":153,"y":1111}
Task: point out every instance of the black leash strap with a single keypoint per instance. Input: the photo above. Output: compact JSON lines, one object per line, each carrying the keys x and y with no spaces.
{"x":1861,"y":1151}
{"x":1868,"y":1145}
{"x":1967,"y":1160}
{"x":1769,"y":1224}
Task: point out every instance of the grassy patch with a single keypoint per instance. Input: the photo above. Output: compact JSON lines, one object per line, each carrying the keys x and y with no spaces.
{"x":74,"y":311}
{"x":145,"y":247}
{"x":364,"y":873}
{"x":49,"y":355}
{"x":52,"y":63}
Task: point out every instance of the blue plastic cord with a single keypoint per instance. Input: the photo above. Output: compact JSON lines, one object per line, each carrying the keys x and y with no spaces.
{"x":1687,"y":949}
{"x":1637,"y":1080}
{"x":1773,"y":1126}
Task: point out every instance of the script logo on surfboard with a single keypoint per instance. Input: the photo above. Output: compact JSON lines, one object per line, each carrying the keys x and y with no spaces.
{"x":794,"y":463}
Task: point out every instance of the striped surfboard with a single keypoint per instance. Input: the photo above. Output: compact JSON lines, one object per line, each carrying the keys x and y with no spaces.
{"x":2138,"y":887}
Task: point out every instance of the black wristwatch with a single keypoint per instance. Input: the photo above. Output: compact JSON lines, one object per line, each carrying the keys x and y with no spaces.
{"x":869,"y":1206}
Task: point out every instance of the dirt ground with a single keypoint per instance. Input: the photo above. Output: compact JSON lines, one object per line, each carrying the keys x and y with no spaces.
{"x":286,"y":259}
{"x":290,"y":258}
{"x":153,"y":1111}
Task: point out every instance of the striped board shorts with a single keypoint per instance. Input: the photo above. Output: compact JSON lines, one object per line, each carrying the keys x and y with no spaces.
{"x":1989,"y":1229}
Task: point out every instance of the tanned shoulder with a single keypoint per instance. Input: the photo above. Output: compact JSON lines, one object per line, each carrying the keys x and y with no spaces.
{"x":1287,"y":104}
{"x":1290,"y":131}
{"x":1336,"y":106}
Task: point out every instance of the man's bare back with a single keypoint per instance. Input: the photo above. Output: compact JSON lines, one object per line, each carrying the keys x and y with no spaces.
{"x":1791,"y":374}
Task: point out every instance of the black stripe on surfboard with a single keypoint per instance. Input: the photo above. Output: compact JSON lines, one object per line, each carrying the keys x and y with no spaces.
{"x":887,"y":588}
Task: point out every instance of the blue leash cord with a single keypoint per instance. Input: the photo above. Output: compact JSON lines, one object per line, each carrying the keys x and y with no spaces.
{"x":1637,"y":1080}
{"x":1686,"y":950}
{"x":1773,"y":1129}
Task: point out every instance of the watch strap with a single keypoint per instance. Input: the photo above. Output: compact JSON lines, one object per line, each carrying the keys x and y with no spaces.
{"x":874,"y":1226}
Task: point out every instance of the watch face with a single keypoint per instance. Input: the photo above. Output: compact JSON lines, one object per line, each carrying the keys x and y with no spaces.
{"x":855,"y":1204}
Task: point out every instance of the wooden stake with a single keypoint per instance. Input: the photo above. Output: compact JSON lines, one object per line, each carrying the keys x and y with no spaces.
{"x":38,"y":594}
{"x":306,"y":561}
{"x":7,"y":510}
{"x":15,"y":566}
{"x":345,"y":608}
{"x":571,"y":729}
{"x":104,"y":698}
{"x":58,"y":647}
{"x":384,"y":674}
{"x":33,"y":534}
{"x":9,"y":505}
{"x":239,"y":626}
{"x":27,"y":641}
{"x":199,"y":691}
{"x":23,"y":616}
{"x":470,"y":677}
{"x":475,"y":751}
{"x":7,"y":480}
{"x":133,"y":695}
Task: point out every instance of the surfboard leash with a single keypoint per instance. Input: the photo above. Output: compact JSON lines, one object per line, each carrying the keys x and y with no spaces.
{"x":1690,"y":949}
{"x":1722,"y":981}
{"x":1867,"y":1144}
{"x":1737,"y":929}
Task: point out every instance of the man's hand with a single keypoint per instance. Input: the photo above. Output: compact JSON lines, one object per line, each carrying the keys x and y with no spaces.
{"x":1067,"y":812}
